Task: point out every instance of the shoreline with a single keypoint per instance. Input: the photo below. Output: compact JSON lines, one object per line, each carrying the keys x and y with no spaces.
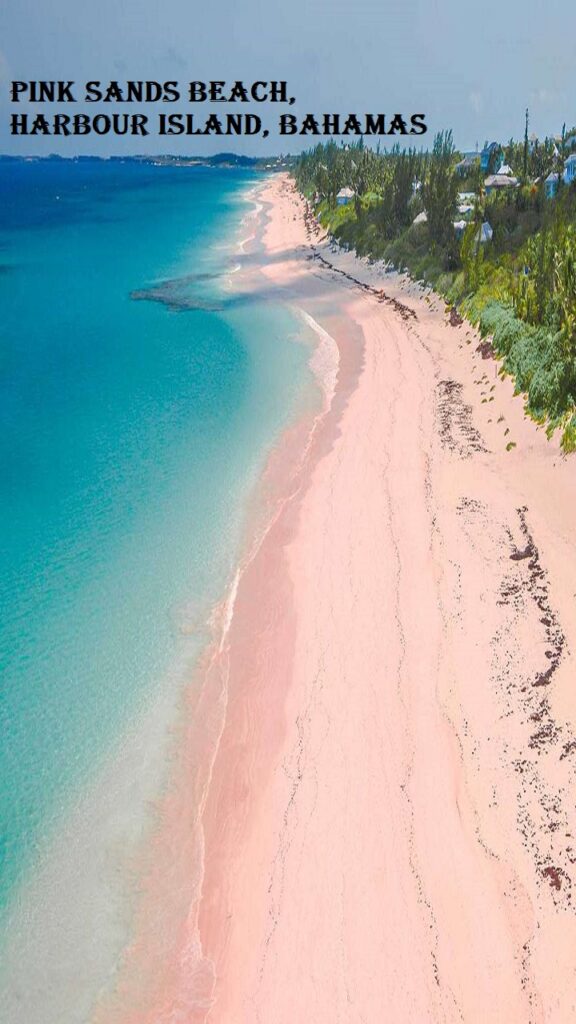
{"x":384,"y":818}
{"x":196,"y":743}
{"x":122,"y":808}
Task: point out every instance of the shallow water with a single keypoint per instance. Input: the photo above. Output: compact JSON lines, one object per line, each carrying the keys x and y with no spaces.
{"x":131,"y":435}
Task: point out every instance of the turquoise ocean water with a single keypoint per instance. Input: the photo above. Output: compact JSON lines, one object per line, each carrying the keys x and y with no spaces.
{"x":138,"y":402}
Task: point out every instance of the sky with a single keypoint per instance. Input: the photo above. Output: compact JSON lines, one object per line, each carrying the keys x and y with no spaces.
{"x":470,"y":67}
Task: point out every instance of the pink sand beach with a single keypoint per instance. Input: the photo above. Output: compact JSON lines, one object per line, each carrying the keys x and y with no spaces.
{"x":373,"y":814}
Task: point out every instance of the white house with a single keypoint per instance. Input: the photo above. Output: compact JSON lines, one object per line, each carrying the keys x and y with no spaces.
{"x":570,"y":169}
{"x":345,"y":196}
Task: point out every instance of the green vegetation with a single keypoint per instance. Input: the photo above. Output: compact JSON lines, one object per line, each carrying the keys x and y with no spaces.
{"x":516,"y":281}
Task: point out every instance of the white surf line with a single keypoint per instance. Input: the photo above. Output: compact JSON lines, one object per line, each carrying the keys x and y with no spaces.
{"x":250,"y":197}
{"x":325,"y":359}
{"x":325,"y":364}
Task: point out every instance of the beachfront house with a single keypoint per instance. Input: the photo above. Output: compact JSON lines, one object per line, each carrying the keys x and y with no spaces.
{"x":466,"y":166}
{"x":344,"y":197}
{"x":485,"y":233}
{"x":570,"y":169}
{"x":489,"y":155}
{"x":494,"y":182}
{"x":568,"y":176}
{"x":551,"y":185}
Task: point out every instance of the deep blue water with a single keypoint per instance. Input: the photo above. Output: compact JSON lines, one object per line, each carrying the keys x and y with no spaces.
{"x":131,"y":432}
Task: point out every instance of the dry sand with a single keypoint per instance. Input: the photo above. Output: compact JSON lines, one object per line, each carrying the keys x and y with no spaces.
{"x":389,"y":827}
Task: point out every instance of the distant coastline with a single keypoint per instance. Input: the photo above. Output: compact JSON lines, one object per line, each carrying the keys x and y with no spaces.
{"x":222,"y":160}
